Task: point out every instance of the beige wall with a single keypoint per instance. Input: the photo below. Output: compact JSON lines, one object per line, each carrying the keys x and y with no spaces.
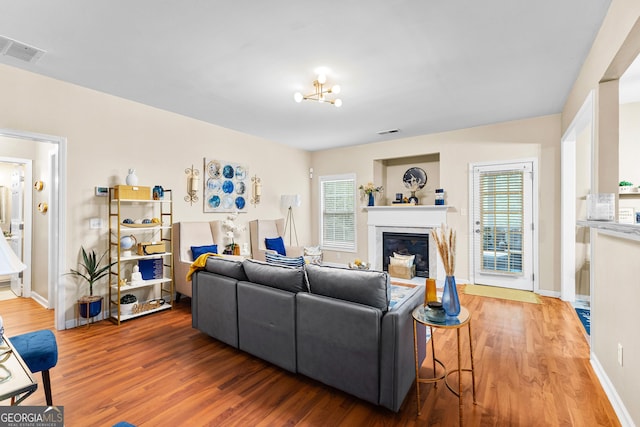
{"x":614,"y":260}
{"x":534,"y":138}
{"x":107,"y":135}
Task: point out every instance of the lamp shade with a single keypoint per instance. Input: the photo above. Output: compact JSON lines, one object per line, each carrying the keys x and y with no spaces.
{"x":9,"y":262}
{"x":290,"y":200}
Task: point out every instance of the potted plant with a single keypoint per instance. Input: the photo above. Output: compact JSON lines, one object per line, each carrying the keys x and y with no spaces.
{"x":91,"y":270}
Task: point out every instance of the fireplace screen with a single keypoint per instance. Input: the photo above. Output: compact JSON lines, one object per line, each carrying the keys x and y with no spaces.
{"x":407,"y":244}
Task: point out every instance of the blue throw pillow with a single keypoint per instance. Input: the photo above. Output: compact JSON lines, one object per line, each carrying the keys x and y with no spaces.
{"x":275,"y":244}
{"x":196,"y":251}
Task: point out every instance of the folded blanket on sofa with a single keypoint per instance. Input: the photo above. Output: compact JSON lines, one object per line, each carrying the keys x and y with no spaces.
{"x":199,"y":264}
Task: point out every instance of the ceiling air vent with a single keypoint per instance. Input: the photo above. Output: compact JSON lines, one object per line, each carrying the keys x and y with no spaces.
{"x":388,"y":131}
{"x":15,"y":49}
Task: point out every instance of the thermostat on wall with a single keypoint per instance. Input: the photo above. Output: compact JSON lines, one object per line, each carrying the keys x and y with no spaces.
{"x":102,"y":191}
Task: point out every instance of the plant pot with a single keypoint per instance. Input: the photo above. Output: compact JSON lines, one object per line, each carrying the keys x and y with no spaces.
{"x":92,"y":304}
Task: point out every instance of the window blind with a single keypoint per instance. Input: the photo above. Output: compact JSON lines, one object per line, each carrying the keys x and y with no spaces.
{"x":338,"y":213}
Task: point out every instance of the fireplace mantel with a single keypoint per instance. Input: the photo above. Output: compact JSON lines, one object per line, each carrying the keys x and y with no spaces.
{"x":408,"y":219}
{"x":407,"y":215}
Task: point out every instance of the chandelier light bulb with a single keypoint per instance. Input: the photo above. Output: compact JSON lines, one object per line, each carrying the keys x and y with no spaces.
{"x":338,"y":102}
{"x":322,"y":79}
{"x":335,"y":89}
{"x":298,"y":97}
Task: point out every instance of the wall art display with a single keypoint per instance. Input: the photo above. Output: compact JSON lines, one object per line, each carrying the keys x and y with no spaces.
{"x":225,"y":186}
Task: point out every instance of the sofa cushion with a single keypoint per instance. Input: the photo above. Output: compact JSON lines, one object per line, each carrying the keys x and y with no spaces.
{"x":275,"y":244}
{"x":366,"y":287}
{"x":196,"y":251}
{"x":284,"y":260}
{"x":276,"y":276}
{"x":226,"y":267}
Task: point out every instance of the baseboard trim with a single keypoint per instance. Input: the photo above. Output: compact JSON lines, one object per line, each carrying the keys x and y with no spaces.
{"x":618,"y":406}
{"x":546,"y":293}
{"x":40,"y":299}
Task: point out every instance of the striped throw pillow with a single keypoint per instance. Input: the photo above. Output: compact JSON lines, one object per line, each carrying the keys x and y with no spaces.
{"x":284,"y":260}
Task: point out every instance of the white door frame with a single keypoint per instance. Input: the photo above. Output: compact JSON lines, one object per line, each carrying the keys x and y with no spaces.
{"x":584,"y":118}
{"x":534,"y":217}
{"x":26,"y":218}
{"x":57,"y":212}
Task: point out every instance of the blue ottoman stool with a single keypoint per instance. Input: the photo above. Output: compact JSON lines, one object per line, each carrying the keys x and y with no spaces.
{"x":40,"y":352}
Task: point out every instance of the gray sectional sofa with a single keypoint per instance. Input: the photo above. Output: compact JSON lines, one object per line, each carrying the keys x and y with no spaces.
{"x":331,"y":324}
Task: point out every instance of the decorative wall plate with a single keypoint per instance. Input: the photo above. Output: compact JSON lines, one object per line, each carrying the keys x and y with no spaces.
{"x":225,"y":189}
{"x":213,"y":169}
{"x":214,"y":201}
{"x":228,"y":171}
{"x":415,"y":178}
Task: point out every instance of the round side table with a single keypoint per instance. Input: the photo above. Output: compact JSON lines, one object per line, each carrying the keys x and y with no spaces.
{"x":422,"y":315}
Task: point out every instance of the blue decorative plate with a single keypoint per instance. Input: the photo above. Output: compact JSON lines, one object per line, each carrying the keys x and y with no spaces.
{"x":240,"y":202}
{"x":240,"y":172}
{"x":214,"y":201}
{"x":240,"y":188}
{"x":227,"y":202}
{"x":227,"y":171}
{"x":214,"y":185}
{"x":227,"y":186}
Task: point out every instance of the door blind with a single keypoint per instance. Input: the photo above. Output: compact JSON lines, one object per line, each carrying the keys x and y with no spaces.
{"x":502,"y":221}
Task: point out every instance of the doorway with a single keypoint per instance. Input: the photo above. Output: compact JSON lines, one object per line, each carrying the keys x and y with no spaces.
{"x":503,"y":224}
{"x":15,"y":217}
{"x":53,"y":161}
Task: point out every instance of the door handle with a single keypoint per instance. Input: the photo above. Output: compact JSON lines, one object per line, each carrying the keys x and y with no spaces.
{"x":477,"y":230}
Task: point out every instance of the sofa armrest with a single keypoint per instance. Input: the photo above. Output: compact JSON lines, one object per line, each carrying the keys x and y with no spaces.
{"x":397,"y":360}
{"x":338,"y":344}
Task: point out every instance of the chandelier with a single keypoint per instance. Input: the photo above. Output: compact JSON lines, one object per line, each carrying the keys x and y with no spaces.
{"x":320,"y":92}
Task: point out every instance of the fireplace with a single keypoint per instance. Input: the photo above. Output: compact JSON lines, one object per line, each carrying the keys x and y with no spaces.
{"x":407,"y":244}
{"x":404,"y":219}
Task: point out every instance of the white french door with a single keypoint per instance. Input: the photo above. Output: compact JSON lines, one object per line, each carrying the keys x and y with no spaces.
{"x":503,"y":225}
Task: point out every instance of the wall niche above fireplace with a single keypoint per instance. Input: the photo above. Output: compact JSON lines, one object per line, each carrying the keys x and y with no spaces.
{"x":389,"y":173}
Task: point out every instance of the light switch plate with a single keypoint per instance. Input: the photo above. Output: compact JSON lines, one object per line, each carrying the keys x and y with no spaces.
{"x":102,"y":191}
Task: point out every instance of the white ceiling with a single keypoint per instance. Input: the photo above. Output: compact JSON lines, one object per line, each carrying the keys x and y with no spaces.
{"x":421,"y":66}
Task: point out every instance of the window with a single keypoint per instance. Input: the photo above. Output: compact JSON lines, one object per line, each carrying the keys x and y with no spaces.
{"x":338,"y":212}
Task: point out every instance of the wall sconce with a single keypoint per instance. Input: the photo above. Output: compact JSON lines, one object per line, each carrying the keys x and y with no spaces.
{"x":256,"y":183}
{"x":193,"y":182}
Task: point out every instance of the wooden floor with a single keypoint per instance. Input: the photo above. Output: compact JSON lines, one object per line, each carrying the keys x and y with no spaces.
{"x":532,"y":364}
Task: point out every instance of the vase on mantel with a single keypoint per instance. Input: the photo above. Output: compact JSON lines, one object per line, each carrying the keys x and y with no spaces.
{"x":450,"y":300}
{"x":371,"y":199}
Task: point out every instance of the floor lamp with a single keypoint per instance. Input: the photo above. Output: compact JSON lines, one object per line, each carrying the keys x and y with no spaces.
{"x":289,"y":201}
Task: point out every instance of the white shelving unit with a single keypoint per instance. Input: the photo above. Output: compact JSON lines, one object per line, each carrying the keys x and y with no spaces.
{"x":151,"y":291}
